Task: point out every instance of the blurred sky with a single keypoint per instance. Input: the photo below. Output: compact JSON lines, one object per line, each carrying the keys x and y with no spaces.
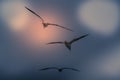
{"x":23,"y":49}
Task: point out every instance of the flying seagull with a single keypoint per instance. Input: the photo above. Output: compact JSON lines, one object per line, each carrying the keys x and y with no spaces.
{"x":59,"y":69}
{"x":45,"y":25}
{"x":68,"y":44}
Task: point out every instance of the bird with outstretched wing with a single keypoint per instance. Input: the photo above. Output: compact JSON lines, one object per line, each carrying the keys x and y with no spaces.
{"x":76,"y":39}
{"x":46,"y":24}
{"x":56,"y":43}
{"x":70,"y":69}
{"x":35,"y":14}
{"x":60,"y":26}
{"x":69,"y":43}
{"x":59,"y":69}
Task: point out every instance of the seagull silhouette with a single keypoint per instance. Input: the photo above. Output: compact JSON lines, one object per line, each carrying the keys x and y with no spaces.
{"x":45,"y":25}
{"x":59,"y":69}
{"x":68,"y":44}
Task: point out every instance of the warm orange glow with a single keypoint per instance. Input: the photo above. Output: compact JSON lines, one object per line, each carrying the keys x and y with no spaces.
{"x":36,"y":36}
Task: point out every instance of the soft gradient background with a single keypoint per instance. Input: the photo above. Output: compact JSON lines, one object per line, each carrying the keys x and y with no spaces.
{"x":22,"y":39}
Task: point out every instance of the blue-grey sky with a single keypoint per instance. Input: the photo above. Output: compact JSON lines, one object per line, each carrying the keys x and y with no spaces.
{"x":23,"y":53}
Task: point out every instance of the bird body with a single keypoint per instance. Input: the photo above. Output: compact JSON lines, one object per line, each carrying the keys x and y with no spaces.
{"x":45,"y":25}
{"x":59,"y":69}
{"x":68,"y":44}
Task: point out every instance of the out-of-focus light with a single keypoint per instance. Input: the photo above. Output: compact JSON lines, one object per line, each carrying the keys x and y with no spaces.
{"x":107,"y":65}
{"x":99,"y":16}
{"x":14,"y":14}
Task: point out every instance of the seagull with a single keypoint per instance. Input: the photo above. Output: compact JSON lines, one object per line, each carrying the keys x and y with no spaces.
{"x":68,"y":44}
{"x":45,"y":25}
{"x":59,"y":69}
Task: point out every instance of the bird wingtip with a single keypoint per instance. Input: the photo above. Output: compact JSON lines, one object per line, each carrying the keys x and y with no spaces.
{"x":72,"y":30}
{"x":87,"y":34}
{"x":78,"y":70}
{"x":26,"y":7}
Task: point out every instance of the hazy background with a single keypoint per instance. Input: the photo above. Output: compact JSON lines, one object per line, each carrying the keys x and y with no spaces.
{"x":22,"y":39}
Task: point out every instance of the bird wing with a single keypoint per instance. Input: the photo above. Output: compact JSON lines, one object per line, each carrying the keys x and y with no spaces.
{"x":76,"y":39}
{"x":71,"y":69}
{"x":55,"y":43}
{"x":48,"y":68}
{"x":35,"y":14}
{"x":59,"y":26}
